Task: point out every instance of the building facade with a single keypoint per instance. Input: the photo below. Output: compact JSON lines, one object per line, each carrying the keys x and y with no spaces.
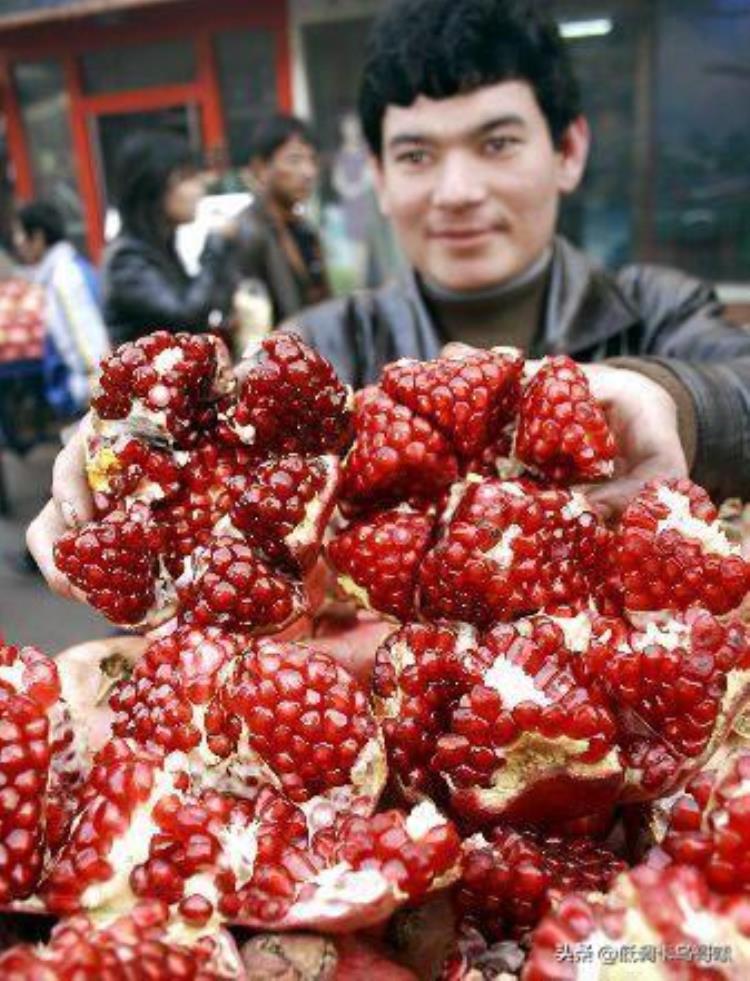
{"x":76,"y":77}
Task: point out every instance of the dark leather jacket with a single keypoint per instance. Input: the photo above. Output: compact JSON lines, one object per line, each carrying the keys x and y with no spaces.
{"x":145,"y":288}
{"x":642,"y":311}
{"x":260,"y":255}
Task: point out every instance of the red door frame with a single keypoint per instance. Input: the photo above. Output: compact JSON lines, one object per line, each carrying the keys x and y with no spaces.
{"x":193,"y":20}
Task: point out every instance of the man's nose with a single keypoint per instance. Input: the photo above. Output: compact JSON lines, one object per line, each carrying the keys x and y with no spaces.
{"x":458,"y":184}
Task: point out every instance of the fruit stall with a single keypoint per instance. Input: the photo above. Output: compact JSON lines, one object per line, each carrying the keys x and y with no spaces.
{"x":396,"y":702}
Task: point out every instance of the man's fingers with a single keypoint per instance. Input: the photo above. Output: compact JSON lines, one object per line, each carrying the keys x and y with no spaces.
{"x":70,"y":488}
{"x":610,"y":500}
{"x":41,"y":536}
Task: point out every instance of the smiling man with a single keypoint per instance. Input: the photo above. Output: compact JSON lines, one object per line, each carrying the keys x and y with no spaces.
{"x":473,"y":116}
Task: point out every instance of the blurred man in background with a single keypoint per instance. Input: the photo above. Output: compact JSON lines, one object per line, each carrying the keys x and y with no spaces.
{"x":76,"y":336}
{"x":276,"y":245}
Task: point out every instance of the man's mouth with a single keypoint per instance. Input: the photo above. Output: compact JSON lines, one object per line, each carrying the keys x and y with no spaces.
{"x":462,"y":235}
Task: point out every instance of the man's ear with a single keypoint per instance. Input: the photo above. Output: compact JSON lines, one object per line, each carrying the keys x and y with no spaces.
{"x":379,"y":180}
{"x":572,"y":155}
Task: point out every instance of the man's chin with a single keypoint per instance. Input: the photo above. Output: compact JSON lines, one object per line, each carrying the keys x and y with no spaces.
{"x":459,"y":277}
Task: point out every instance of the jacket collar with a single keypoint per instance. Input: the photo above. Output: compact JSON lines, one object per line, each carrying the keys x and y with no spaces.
{"x":585,"y":306}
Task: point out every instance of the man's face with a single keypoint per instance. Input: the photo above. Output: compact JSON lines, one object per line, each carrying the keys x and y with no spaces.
{"x":472,"y":183}
{"x":291,"y":174}
{"x":30,"y":248}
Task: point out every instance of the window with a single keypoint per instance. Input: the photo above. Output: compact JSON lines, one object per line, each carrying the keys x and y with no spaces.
{"x":666,"y":88}
{"x":45,"y":113}
{"x":702,"y":139}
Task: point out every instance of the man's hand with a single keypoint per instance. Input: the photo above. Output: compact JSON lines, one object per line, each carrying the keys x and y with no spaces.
{"x":70,"y":506}
{"x":643,"y":419}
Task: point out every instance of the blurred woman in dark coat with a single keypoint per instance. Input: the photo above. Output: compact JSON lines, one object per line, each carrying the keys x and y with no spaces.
{"x":145,"y":284}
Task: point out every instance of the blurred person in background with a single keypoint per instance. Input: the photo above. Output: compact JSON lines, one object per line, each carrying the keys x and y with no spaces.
{"x":351,"y":178}
{"x":145,"y":284}
{"x":76,"y":338}
{"x":276,"y":245}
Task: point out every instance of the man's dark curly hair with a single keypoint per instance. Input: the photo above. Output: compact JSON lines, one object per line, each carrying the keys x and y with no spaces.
{"x":441,"y":48}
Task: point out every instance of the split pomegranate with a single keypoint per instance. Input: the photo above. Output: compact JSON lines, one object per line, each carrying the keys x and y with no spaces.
{"x":709,"y":826}
{"x":303,"y":716}
{"x":140,"y":945}
{"x":510,"y":549}
{"x":285,"y":507}
{"x":37,"y":766}
{"x":379,"y":559}
{"x":396,"y":455}
{"x":187,"y":807}
{"x":676,"y":688}
{"x":290,"y":401}
{"x":254,"y":713}
{"x":116,"y":562}
{"x":163,"y":387}
{"x":551,"y":719}
{"x":476,"y":550}
{"x":511,"y":878}
{"x":562,"y":433}
{"x":469,"y":399}
{"x":259,"y":860}
{"x":212,"y":496}
{"x":673,"y":553}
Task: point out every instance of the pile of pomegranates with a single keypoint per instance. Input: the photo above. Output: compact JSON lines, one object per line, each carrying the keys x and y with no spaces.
{"x":525,"y":750}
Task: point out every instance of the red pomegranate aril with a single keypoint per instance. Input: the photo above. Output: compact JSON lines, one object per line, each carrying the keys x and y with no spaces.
{"x":562,"y":432}
{"x":285,"y":507}
{"x":115,"y":562}
{"x":162,"y":385}
{"x":290,"y":401}
{"x":233,"y":588}
{"x":378,"y":559}
{"x":673,"y":555}
{"x":469,"y":399}
{"x":396,"y":455}
{"x":265,"y":694}
{"x":511,"y":878}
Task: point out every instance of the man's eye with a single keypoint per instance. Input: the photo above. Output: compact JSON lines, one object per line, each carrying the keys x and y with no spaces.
{"x":500,"y":144}
{"x":413,"y":158}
